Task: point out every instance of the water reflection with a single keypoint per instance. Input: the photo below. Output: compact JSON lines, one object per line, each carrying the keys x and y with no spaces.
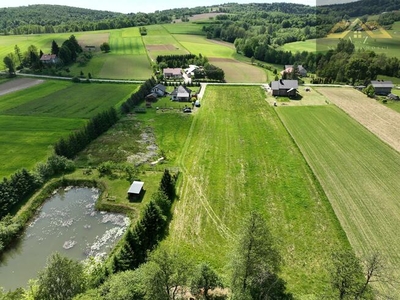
{"x":67,"y":223}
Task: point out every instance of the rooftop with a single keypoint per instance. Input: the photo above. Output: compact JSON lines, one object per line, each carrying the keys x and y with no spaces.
{"x":284,"y":84}
{"x":382,"y":83}
{"x":136,"y":187}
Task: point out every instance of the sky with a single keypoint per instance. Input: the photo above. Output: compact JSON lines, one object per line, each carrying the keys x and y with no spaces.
{"x":147,"y":6}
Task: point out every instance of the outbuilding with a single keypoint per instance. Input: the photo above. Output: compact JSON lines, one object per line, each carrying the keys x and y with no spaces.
{"x":136,"y":191}
{"x":382,"y":87}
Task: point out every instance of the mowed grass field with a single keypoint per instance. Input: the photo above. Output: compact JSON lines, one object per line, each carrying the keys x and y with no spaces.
{"x":33,"y":119}
{"x":358,"y":172}
{"x":237,"y":157}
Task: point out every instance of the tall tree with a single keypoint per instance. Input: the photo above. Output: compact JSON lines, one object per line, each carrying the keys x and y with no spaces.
{"x":205,"y":279}
{"x":62,"y":279}
{"x":255,"y":261}
{"x":9,"y":63}
{"x":18,"y":54}
{"x":166,"y":273}
{"x":54,"y":48}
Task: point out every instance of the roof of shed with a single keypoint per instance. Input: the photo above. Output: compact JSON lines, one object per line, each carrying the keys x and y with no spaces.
{"x":136,"y":187}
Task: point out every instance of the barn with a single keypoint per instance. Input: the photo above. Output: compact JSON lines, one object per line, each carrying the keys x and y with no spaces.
{"x":382,"y":87}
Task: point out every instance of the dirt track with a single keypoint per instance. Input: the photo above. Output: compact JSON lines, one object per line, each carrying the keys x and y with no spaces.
{"x":17,"y":85}
{"x":377,"y":118}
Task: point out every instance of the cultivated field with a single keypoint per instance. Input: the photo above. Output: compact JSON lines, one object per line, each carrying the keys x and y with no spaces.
{"x":236,"y":71}
{"x":17,"y":85}
{"x":238,"y":157}
{"x":379,"y":119}
{"x":359,"y":174}
{"x":33,"y":119}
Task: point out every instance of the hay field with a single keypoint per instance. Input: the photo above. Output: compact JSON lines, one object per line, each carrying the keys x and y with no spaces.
{"x":238,"y":157}
{"x":236,"y":71}
{"x":359,"y":174}
{"x":377,"y":118}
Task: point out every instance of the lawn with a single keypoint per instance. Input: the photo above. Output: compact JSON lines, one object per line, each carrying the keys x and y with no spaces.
{"x":69,"y":101}
{"x":359,"y":174}
{"x":24,"y":141}
{"x":237,"y":157}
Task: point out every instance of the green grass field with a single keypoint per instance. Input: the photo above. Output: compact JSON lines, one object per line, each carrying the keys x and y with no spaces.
{"x":199,"y":44}
{"x":236,"y":157}
{"x":68,"y":100}
{"x":24,"y":141}
{"x":359,"y":174}
{"x":184,"y":28}
{"x":32,"y":120}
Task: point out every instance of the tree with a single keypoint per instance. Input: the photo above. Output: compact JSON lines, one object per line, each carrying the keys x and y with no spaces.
{"x":346,"y":274}
{"x":128,"y":285}
{"x":255,"y":261}
{"x":105,"y":47}
{"x":9,"y":63}
{"x":369,"y":91}
{"x":166,"y":273}
{"x":62,"y":279}
{"x":54,"y":48}
{"x":18,"y":54}
{"x":205,"y":279}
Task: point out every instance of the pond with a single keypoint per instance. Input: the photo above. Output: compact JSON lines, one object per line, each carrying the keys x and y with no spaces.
{"x":67,"y":223}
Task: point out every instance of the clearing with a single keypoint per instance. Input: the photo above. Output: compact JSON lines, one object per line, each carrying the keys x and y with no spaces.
{"x":377,"y":118}
{"x":17,"y":85}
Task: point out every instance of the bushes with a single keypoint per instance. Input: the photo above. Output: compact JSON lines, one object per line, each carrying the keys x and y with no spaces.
{"x":138,"y":97}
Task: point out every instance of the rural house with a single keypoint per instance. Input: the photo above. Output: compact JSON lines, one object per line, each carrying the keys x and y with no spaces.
{"x":181,"y":94}
{"x":49,"y":59}
{"x":382,"y":87}
{"x":159,"y":90}
{"x":284,"y":87}
{"x":172,"y":73}
{"x":289,"y":69}
{"x":136,"y":191}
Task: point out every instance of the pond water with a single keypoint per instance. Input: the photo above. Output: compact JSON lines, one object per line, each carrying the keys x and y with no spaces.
{"x":67,"y":223}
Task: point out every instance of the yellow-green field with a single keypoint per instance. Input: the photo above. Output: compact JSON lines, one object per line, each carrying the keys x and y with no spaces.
{"x":359,"y":174}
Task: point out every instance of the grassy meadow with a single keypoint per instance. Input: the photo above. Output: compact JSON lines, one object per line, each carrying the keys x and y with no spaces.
{"x":33,"y":119}
{"x":235,"y":156}
{"x":359,"y":174}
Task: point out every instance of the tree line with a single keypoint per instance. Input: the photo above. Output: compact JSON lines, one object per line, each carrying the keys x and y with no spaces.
{"x":77,"y":141}
{"x":138,"y":97}
{"x":21,"y":185}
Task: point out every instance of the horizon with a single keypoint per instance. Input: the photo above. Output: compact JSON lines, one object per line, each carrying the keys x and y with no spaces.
{"x":127,"y":6}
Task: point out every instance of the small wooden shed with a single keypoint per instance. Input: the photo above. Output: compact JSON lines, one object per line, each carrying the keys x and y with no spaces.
{"x":135,"y":191}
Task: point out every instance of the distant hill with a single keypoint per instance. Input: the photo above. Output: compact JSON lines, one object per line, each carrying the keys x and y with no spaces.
{"x":57,"y":18}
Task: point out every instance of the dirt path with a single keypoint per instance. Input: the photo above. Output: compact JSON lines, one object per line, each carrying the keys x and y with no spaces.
{"x":377,"y":118}
{"x":18,"y":84}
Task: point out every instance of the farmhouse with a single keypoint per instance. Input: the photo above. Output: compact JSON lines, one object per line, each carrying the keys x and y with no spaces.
{"x":284,"y":87}
{"x":382,"y":87}
{"x":289,"y":69}
{"x":172,"y":73}
{"x":136,"y":190}
{"x":181,"y":93}
{"x":160,"y":90}
{"x":49,"y":59}
{"x":151,"y":97}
